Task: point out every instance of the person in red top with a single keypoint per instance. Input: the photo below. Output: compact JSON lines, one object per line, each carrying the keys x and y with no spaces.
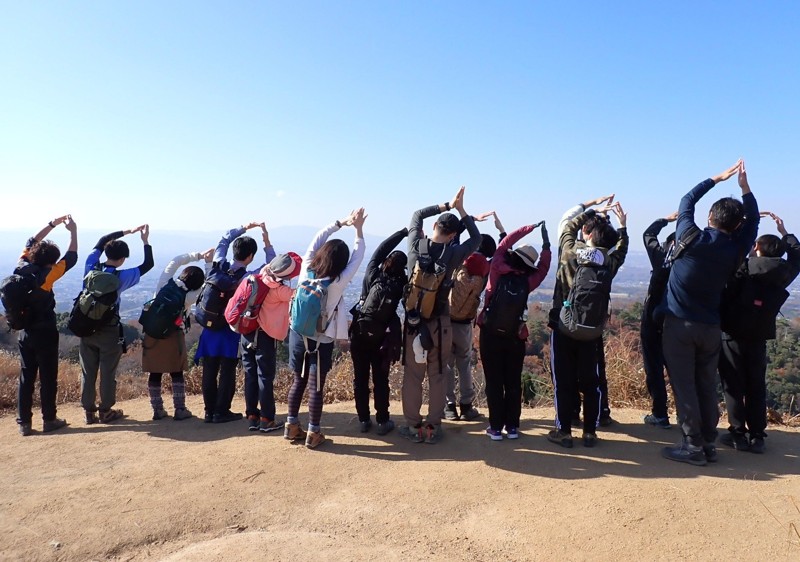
{"x":513,"y":274}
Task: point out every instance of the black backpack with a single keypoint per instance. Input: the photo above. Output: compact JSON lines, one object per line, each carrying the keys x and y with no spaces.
{"x":15,"y":294}
{"x":374,"y":312}
{"x":585,"y":312}
{"x":162,"y":315}
{"x":749,"y":309}
{"x":507,"y":305}
{"x":218,"y":288}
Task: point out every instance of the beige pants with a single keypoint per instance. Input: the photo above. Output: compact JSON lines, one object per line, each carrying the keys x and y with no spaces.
{"x":414,"y":373}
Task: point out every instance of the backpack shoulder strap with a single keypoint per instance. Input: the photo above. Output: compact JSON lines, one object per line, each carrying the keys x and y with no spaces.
{"x":685,"y":241}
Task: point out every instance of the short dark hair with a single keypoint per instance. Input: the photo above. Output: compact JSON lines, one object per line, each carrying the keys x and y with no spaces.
{"x":192,"y":277}
{"x":44,"y":253}
{"x":771,"y":246}
{"x":603,"y":234}
{"x":244,"y":247}
{"x":488,"y":246}
{"x":448,"y":223}
{"x":330,"y":260}
{"x":727,"y":214}
{"x":116,"y":250}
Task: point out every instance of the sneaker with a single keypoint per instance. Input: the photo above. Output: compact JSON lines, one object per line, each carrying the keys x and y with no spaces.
{"x":663,"y":423}
{"x":53,"y":425}
{"x":413,"y":433}
{"x":560,"y":438}
{"x":91,"y":417}
{"x":757,"y":445}
{"x":469,"y":413}
{"x":366,"y":426}
{"x":226,"y":417}
{"x":685,"y":452}
{"x":385,"y":427}
{"x":512,"y":433}
{"x":267,"y":425}
{"x":293,"y":432}
{"x":605,"y":420}
{"x":737,"y":441}
{"x":589,"y":439}
{"x":25,"y":429}
{"x":110,"y":415}
{"x":494,"y":434}
{"x":450,"y":412}
{"x":253,"y":422}
{"x":160,"y":414}
{"x":314,"y":439}
{"x":433,"y":434}
{"x":710,"y":452}
{"x":182,"y":414}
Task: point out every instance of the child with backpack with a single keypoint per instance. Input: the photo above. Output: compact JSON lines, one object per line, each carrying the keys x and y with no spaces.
{"x":427,"y":334}
{"x":375,"y":331}
{"x":265,"y":297}
{"x":751,"y":302}
{"x":316,"y":321}
{"x":579,"y":314}
{"x":28,"y":299}
{"x":513,"y":274}
{"x":164,"y":348}
{"x":219,"y":345}
{"x":101,"y":337}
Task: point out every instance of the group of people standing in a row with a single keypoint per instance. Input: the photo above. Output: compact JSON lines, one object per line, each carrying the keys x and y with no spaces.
{"x":704,"y":301}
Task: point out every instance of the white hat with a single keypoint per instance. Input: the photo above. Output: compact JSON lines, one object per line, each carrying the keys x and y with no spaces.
{"x":528,"y":254}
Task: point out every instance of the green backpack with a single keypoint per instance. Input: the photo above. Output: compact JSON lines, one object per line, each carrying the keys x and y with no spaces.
{"x":96,"y":305}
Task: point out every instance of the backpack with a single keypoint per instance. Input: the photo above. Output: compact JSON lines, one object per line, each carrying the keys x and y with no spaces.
{"x":506,"y":306}
{"x":241,"y":314}
{"x":376,"y":310}
{"x":682,"y":244}
{"x":585,"y":312}
{"x":426,"y":279}
{"x":15,"y":294}
{"x":749,"y":309}
{"x":465,"y":296}
{"x":308,"y":313}
{"x":217,"y":290}
{"x":96,"y":304}
{"x":163,"y":315}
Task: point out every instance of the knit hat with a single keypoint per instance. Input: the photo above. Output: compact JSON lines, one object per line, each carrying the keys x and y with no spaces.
{"x":528,"y":254}
{"x":286,"y":266}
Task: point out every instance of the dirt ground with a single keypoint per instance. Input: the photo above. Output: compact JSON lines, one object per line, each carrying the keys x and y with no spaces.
{"x":176,"y":491}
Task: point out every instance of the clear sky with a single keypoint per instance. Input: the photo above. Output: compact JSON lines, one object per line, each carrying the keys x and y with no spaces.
{"x":204,"y":115}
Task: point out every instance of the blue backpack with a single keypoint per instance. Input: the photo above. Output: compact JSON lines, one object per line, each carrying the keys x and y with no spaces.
{"x":308,"y":315}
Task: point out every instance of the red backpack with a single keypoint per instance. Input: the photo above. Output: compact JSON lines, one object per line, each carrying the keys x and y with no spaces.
{"x":241,"y":313}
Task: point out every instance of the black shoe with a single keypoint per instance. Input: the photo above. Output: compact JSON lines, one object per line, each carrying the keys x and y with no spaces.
{"x":560,"y":438}
{"x":208,"y":418}
{"x":53,"y":425}
{"x":91,"y":417}
{"x":386,"y":427}
{"x":737,"y":441}
{"x":685,"y":453}
{"x":25,"y":429}
{"x":226,"y":417}
{"x":469,"y":412}
{"x":589,"y":439}
{"x":605,"y":420}
{"x":757,"y":445}
{"x":365,"y":426}
{"x":710,"y":452}
{"x":450,"y":412}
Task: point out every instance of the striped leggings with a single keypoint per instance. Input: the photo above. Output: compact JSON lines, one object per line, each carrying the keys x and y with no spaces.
{"x":299,"y":363}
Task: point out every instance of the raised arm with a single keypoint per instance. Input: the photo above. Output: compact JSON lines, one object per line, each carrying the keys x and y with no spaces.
{"x":42,"y":234}
{"x":148,"y":262}
{"x":749,"y":229}
{"x":652,"y":245}
{"x":175,"y":264}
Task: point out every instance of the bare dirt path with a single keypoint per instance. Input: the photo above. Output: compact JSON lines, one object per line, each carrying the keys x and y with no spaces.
{"x":143,"y":490}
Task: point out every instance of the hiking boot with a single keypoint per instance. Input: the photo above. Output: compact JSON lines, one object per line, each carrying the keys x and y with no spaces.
{"x":53,"y":425}
{"x":385,"y":427}
{"x":663,"y":423}
{"x":450,"y":412}
{"x":314,"y":439}
{"x":160,"y":414}
{"x":253,"y":423}
{"x":737,"y":441}
{"x":293,"y":432}
{"x":267,"y":425}
{"x":757,"y":445}
{"x":110,"y":415}
{"x":605,"y":420}
{"x":560,"y":438}
{"x":25,"y":429}
{"x":91,"y":417}
{"x":710,"y":452}
{"x":182,"y":414}
{"x":413,"y":433}
{"x":589,"y":439}
{"x":512,"y":433}
{"x":226,"y":417}
{"x":433,"y":434}
{"x":684,"y":452}
{"x":365,"y":426}
{"x":494,"y":434}
{"x":469,"y":413}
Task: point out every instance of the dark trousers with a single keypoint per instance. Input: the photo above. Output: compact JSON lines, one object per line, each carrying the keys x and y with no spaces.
{"x":602,"y":381}
{"x":38,"y":351}
{"x":258,"y":360}
{"x":302,"y":364}
{"x":368,"y":357}
{"x":218,"y":396}
{"x":502,"y":367}
{"x":743,"y":370}
{"x":691,"y":349}
{"x":574,"y":366}
{"x":653,"y":359}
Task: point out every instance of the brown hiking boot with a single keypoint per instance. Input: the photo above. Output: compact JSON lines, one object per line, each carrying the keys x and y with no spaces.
{"x":91,"y":417}
{"x":293,"y":432}
{"x":110,"y":415}
{"x":314,"y":439}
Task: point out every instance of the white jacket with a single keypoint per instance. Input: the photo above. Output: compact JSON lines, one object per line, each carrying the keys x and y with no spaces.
{"x":172,"y":268}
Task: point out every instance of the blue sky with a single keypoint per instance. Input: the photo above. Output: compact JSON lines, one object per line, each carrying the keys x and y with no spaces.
{"x":201,"y":116}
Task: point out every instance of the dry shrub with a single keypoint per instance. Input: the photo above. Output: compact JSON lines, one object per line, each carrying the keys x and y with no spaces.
{"x":625,"y":371}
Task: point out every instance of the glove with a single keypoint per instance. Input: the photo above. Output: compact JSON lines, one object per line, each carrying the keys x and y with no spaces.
{"x":545,"y":237}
